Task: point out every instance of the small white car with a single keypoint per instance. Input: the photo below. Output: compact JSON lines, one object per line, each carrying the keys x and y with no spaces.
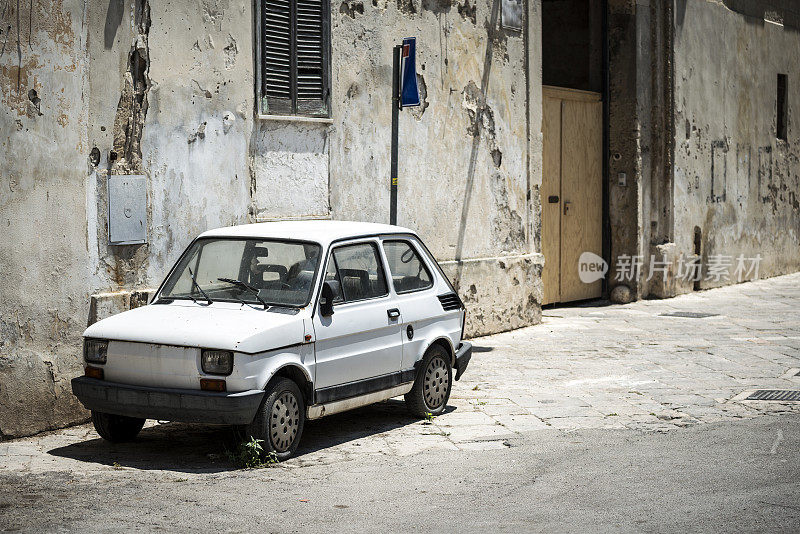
{"x":267,"y":325}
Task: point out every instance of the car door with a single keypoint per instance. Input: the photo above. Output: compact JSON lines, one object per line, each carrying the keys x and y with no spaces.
{"x":413,"y":284}
{"x":361,"y":340}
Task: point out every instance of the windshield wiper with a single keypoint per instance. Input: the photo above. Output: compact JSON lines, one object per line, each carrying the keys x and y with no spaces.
{"x":200,"y":289}
{"x":245,"y":285}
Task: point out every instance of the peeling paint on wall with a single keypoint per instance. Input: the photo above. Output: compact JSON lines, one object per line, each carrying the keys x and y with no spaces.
{"x":351,"y":8}
{"x":126,"y":157}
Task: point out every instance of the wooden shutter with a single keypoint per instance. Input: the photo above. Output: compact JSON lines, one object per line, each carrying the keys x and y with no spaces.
{"x":294,"y":52}
{"x":277,"y":56}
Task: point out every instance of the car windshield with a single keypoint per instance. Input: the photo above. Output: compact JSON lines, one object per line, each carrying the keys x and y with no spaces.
{"x":279,"y":273}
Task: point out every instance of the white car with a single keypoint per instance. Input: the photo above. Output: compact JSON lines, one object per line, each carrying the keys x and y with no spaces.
{"x":267,"y":325}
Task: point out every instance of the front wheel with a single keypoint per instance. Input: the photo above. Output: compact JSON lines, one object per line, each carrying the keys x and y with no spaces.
{"x":432,"y":386}
{"x":116,"y":428}
{"x":280,"y":419}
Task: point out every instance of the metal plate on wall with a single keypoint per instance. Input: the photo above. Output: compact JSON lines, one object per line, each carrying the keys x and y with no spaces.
{"x":127,"y":210}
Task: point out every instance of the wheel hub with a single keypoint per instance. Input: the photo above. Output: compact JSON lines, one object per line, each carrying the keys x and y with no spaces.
{"x":436,"y":383}
{"x":284,"y":421}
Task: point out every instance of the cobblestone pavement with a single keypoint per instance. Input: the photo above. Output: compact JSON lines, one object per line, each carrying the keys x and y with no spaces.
{"x":590,"y":366}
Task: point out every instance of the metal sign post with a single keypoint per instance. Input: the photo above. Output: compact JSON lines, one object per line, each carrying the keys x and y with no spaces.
{"x":405,"y":93}
{"x":395,"y":119}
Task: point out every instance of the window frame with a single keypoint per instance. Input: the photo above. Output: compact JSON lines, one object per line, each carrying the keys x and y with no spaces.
{"x":421,"y":261}
{"x":327,"y":85}
{"x":376,"y":247}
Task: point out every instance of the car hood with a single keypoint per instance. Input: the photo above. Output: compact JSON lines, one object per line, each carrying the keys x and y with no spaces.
{"x":218,"y":326}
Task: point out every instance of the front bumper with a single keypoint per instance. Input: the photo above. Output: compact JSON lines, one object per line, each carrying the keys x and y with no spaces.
{"x":463,"y":355}
{"x":184,"y":405}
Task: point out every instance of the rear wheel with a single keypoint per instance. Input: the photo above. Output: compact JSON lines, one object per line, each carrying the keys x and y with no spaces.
{"x":280,"y":420}
{"x":432,"y":386}
{"x":116,"y":428}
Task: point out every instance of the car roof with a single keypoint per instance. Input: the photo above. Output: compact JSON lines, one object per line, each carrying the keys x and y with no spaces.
{"x":320,"y":231}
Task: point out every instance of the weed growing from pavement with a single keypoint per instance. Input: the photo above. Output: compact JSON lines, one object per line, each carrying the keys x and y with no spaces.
{"x":250,"y":454}
{"x":428,"y":418}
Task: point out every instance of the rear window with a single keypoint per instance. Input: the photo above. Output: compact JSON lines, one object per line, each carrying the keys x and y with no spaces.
{"x":408,"y":271}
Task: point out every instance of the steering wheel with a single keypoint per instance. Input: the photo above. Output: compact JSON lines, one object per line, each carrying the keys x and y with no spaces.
{"x":407,"y":256}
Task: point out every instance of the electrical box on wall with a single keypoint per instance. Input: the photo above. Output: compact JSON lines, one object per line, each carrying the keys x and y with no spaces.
{"x":127,"y":210}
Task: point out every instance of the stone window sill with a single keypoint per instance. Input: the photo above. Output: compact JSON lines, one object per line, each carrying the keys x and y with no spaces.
{"x":295,"y":118}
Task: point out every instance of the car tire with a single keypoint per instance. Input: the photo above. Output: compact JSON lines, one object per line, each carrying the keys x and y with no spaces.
{"x":433,"y":384}
{"x":116,"y":428}
{"x":280,"y":419}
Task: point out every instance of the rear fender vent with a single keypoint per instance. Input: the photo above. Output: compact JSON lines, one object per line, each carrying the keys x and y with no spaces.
{"x":450,"y":302}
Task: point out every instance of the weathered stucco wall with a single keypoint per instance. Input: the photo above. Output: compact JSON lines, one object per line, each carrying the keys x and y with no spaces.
{"x":42,"y":212}
{"x":166,"y":89}
{"x":624,"y":200}
{"x":734,"y":180}
{"x":464,"y":154}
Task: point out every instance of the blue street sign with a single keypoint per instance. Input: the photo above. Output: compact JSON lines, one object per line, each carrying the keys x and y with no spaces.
{"x":409,"y":92}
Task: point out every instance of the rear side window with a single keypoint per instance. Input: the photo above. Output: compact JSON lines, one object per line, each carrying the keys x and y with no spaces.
{"x":408,"y":271}
{"x":359,"y":270}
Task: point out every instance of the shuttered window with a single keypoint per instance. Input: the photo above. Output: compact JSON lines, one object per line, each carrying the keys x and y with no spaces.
{"x":294,"y":57}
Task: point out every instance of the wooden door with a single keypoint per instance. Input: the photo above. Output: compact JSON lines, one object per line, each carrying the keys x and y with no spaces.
{"x":571,"y":191}
{"x":551,"y":198}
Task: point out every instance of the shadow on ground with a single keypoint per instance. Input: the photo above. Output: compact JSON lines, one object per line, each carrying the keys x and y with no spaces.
{"x":193,"y":448}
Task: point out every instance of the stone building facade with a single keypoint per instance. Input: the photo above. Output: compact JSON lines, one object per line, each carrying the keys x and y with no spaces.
{"x":173,"y":90}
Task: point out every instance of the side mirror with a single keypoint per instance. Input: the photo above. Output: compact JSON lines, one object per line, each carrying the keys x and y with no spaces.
{"x":330,"y":290}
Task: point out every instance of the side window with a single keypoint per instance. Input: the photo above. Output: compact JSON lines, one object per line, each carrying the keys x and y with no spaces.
{"x":408,"y":271}
{"x":359,"y":271}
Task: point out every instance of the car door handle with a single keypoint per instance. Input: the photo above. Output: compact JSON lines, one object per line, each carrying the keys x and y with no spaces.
{"x":394,"y":313}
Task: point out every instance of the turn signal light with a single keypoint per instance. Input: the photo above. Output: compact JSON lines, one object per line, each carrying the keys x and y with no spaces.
{"x":209,"y":384}
{"x":93,"y":372}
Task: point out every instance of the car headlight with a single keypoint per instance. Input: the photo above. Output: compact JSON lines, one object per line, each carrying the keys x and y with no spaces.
{"x":217,"y":362}
{"x":95,"y":350}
